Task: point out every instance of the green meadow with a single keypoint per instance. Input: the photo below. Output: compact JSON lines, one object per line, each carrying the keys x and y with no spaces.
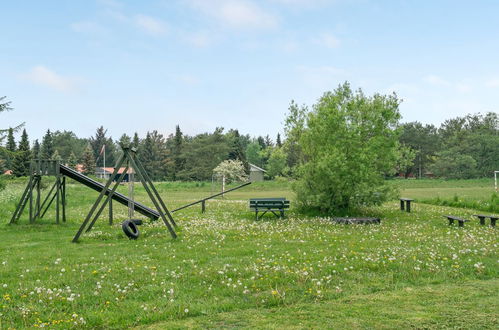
{"x":227,"y":270}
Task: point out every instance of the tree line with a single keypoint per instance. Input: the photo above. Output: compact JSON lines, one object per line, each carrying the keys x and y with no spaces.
{"x":462,"y":147}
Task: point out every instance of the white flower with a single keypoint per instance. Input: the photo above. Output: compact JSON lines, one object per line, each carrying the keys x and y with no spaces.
{"x":186,"y":310}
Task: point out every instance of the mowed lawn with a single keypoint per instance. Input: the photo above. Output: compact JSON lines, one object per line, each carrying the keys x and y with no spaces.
{"x":228,"y":270}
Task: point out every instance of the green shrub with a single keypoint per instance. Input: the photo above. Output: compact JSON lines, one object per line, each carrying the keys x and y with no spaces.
{"x":350,"y":145}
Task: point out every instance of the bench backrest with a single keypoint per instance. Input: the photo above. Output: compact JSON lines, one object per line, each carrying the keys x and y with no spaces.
{"x":274,"y":203}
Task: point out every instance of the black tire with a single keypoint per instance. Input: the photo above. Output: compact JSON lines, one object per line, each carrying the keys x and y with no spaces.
{"x":138,"y":222}
{"x":130,"y":229}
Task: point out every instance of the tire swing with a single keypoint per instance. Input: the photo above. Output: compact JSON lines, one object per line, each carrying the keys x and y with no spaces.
{"x":129,"y":226}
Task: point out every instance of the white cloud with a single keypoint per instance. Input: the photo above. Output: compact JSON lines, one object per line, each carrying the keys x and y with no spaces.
{"x":236,"y":13}
{"x":43,"y":76}
{"x":151,"y":25}
{"x":327,"y":40}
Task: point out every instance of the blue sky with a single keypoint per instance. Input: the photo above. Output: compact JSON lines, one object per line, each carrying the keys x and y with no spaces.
{"x":144,"y":65}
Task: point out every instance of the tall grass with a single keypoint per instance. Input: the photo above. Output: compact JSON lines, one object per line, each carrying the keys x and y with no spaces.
{"x":488,"y":205}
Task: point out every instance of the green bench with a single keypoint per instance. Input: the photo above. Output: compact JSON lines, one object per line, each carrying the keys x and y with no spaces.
{"x":264,"y":205}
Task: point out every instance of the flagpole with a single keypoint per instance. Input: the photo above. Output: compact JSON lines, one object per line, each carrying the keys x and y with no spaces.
{"x":104,"y":146}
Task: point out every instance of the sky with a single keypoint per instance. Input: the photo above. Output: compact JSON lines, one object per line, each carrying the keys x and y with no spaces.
{"x":137,"y":66}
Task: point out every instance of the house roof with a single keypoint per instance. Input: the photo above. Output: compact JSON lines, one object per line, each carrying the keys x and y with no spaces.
{"x":255,"y":168}
{"x":110,"y":170}
{"x":8,"y":172}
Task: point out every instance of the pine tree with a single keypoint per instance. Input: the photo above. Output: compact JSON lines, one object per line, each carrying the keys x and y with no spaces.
{"x":88,"y":161}
{"x":47,"y":149}
{"x":278,"y":140}
{"x":97,"y":142}
{"x":261,"y":142}
{"x":136,"y":140}
{"x":11,"y":143}
{"x":10,"y":148}
{"x":35,"y":152}
{"x":268,"y":141}
{"x":72,"y":160}
{"x":177,"y":151}
{"x":237,"y":152}
{"x":23,"y":156}
{"x":125,"y":140}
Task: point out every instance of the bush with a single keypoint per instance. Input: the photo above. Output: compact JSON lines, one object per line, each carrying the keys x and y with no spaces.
{"x":350,"y":144}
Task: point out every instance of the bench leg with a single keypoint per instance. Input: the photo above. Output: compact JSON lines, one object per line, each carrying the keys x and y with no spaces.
{"x":482,"y":220}
{"x":451,"y":221}
{"x":282,"y":214}
{"x":401,"y":205}
{"x":461,"y":223}
{"x":408,"y":207}
{"x":493,"y":222}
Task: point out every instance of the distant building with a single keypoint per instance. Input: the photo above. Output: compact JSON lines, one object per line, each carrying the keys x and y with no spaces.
{"x":106,"y":172}
{"x":256,"y":173}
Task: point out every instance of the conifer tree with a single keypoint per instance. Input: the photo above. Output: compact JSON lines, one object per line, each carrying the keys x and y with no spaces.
{"x":278,"y":140}
{"x":177,"y":151}
{"x":237,"y":152}
{"x":88,"y":161}
{"x":35,"y":152}
{"x":125,"y":140}
{"x":11,"y":143}
{"x":136,"y":140}
{"x":97,"y":142}
{"x":47,"y":149}
{"x":23,"y":156}
{"x":268,"y":141}
{"x":10,"y":147}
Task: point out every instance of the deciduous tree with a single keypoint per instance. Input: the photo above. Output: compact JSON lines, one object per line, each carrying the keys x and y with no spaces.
{"x":350,"y":142}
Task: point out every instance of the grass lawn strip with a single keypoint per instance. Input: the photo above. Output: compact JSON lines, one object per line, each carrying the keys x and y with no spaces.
{"x":471,"y":305}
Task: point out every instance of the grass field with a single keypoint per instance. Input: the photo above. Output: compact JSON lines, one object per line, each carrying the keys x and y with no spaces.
{"x":227,"y":270}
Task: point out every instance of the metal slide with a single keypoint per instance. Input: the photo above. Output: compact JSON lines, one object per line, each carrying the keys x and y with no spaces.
{"x":120,"y":198}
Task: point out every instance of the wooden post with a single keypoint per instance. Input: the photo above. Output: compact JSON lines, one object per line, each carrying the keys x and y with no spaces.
{"x":38,"y":192}
{"x":57,"y":199}
{"x":111,"y":210}
{"x":31,"y":220}
{"x":203,"y":206}
{"x":401,"y":205}
{"x":63,"y":199}
{"x":97,"y":202}
{"x":223,"y":185}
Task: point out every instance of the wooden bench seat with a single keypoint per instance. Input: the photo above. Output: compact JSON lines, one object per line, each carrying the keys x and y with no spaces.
{"x":482,"y":217}
{"x":453,"y":218}
{"x":273,"y":205}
